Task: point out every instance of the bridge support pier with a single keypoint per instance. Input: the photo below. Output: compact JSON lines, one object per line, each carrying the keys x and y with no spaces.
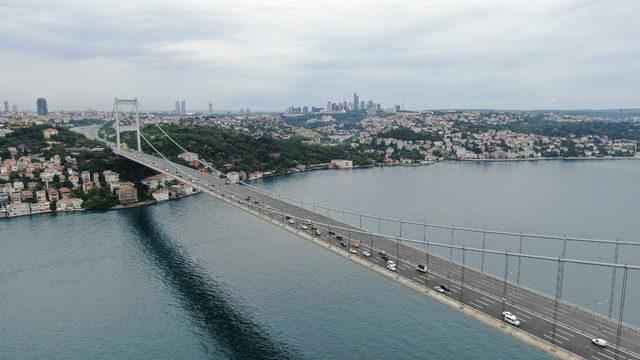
{"x":134,"y":124}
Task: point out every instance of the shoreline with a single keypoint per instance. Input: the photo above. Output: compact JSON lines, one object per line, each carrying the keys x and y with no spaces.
{"x":114,"y":208}
{"x":614,"y":158}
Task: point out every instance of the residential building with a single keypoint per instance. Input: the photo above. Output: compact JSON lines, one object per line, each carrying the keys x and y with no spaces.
{"x":40,"y":207}
{"x":342,"y":164}
{"x":233,"y":176}
{"x":53,"y":194}
{"x":160,"y":195}
{"x":69,"y":204}
{"x":18,"y":209}
{"x":87,"y":186}
{"x":127,"y":193}
{"x":49,"y":132}
{"x":110,"y":176}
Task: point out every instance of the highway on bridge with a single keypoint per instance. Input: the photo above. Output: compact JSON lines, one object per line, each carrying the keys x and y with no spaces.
{"x":575,"y":326}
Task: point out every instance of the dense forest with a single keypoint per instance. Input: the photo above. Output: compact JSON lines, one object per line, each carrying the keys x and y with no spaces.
{"x":406,"y":134}
{"x":243,"y":151}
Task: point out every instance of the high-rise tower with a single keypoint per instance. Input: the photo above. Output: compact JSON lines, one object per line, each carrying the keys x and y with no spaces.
{"x":41,"y":105}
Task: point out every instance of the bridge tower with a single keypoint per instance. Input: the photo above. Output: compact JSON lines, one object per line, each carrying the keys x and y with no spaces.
{"x":132,"y":116}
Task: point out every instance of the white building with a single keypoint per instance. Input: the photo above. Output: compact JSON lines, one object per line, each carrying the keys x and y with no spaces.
{"x":69,"y":204}
{"x":160,"y":195}
{"x":188,"y":156}
{"x":233,"y":176}
{"x":40,"y":207}
{"x":18,"y":209}
{"x":342,"y":164}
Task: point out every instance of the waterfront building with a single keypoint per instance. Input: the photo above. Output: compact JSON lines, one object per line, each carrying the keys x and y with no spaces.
{"x":233,"y":176}
{"x":40,"y":207}
{"x":342,"y":164}
{"x":69,"y":204}
{"x":127,"y":193}
{"x":18,"y":209}
{"x":160,"y":195}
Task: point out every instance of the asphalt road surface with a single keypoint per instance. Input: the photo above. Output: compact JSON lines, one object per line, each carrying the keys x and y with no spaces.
{"x":575,"y":326}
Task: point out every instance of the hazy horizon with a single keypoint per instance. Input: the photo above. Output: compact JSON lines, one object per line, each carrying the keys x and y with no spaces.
{"x":268,"y":55}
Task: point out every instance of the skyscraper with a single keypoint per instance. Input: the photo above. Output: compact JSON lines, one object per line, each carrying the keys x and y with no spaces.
{"x":183,"y":108}
{"x":41,"y":104}
{"x":6,"y":106}
{"x":15,"y":108}
{"x":305,"y":109}
{"x":210,"y":108}
{"x":177,"y":107}
{"x":356,"y":101}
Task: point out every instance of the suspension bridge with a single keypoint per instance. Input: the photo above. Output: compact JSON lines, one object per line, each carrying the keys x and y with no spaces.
{"x":547,"y":322}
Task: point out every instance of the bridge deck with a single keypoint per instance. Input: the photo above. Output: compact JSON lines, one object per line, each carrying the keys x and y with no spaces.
{"x":575,"y":328}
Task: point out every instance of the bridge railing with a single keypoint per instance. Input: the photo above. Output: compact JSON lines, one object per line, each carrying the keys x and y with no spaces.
{"x":399,"y":239}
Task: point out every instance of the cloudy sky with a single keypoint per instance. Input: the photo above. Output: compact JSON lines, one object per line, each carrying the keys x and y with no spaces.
{"x":269,"y":54}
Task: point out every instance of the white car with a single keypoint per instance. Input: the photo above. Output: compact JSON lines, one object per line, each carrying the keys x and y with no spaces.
{"x":303,"y":227}
{"x":353,"y":251}
{"x":599,"y":342}
{"x":392,"y":267}
{"x":391,"y":263}
{"x":510,"y":318}
{"x":438,"y":289}
{"x":318,"y":232}
{"x":291,"y":221}
{"x":366,"y":254}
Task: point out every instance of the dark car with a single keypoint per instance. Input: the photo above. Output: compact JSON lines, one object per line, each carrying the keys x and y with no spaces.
{"x":445,"y":288}
{"x":343,"y":244}
{"x":385,"y":257}
{"x":382,"y":253}
{"x":339,"y":237}
{"x":331,"y":232}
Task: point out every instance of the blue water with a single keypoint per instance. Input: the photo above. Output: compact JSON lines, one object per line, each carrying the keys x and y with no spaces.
{"x":199,"y":279}
{"x":594,"y":199}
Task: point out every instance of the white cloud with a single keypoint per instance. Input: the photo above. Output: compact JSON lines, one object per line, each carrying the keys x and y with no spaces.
{"x":268,"y":54}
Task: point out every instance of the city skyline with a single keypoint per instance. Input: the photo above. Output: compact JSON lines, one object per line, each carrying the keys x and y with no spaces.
{"x":548,"y":55}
